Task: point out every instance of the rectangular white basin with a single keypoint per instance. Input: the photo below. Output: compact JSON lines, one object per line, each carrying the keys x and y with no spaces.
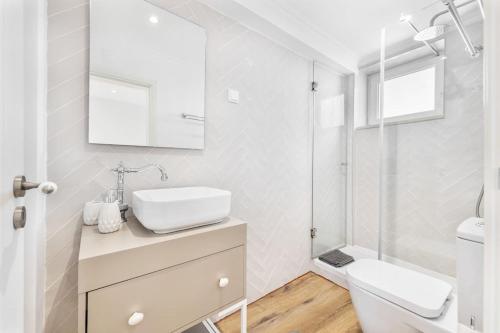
{"x":172,"y":209}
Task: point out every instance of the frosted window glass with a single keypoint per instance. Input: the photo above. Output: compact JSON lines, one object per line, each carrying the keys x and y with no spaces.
{"x":412,"y":93}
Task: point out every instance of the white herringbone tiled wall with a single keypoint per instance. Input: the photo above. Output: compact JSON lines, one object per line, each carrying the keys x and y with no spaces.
{"x":258,"y":149}
{"x":433,"y":171}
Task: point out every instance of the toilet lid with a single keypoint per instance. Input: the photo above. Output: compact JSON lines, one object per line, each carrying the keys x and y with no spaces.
{"x":416,"y":292}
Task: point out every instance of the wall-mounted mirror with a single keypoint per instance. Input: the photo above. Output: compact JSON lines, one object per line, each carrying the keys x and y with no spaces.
{"x":147,"y":76}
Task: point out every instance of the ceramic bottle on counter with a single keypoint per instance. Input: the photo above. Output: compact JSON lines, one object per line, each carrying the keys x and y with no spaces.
{"x":91,"y":212}
{"x":109,"y":216}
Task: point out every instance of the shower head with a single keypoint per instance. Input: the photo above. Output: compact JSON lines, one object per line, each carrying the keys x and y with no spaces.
{"x":407,"y":19}
{"x":430,"y":33}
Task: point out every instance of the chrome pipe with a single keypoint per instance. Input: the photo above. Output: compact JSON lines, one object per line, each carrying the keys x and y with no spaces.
{"x":434,"y":50}
{"x":473,"y":51}
{"x":396,"y":56}
{"x":478,"y":202}
{"x":435,"y":17}
{"x":481,"y":8}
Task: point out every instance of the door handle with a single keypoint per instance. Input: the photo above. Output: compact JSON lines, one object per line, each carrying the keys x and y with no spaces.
{"x":21,"y":185}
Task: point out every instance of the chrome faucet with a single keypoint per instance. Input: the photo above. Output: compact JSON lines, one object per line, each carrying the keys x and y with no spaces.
{"x":121,"y":170}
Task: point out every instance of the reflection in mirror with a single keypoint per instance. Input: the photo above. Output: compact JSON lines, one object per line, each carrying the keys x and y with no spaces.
{"x":147,"y":76}
{"x":125,"y":105}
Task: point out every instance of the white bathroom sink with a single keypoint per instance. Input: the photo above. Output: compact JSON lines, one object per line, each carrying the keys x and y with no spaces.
{"x":173,"y":209}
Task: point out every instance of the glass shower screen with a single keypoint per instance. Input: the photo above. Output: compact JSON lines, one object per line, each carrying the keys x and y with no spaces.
{"x":329,"y":160}
{"x":431,"y":153}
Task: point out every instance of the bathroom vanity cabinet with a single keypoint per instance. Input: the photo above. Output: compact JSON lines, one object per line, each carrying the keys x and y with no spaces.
{"x":136,"y":281}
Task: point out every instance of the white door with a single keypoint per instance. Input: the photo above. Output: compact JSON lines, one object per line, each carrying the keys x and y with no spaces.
{"x":22,"y":99}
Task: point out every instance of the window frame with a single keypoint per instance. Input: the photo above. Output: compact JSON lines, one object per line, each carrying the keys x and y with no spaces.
{"x":373,"y":83}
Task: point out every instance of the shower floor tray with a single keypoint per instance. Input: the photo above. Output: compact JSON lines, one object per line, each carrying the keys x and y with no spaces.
{"x":338,"y":274}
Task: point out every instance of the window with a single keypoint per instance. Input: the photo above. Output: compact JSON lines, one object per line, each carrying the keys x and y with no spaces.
{"x":412,"y":92}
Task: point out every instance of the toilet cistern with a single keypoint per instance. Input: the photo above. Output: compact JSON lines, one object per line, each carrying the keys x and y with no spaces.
{"x":121,"y":170}
{"x":470,"y":254}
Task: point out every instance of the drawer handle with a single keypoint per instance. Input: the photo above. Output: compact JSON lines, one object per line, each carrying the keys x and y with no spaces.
{"x":135,"y":318}
{"x":223,"y":282}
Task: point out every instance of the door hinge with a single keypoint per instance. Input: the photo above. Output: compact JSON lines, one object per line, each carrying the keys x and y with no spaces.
{"x":314,"y":86}
{"x":473,"y":322}
{"x":313,"y":232}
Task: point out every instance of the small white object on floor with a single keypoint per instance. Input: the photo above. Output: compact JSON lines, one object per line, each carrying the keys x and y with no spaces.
{"x":109,"y":218}
{"x":91,"y":212}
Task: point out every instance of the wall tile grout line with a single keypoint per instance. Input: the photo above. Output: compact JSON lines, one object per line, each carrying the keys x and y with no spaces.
{"x":62,"y":106}
{"x":74,"y":55}
{"x":71,"y":32}
{"x":59,"y":84}
{"x":66,"y":10}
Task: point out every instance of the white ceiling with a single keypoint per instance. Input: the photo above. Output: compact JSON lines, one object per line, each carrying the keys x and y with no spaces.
{"x":340,"y":33}
{"x":357,"y":24}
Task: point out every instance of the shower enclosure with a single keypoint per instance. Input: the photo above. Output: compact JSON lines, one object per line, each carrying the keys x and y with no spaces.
{"x":425,"y":120}
{"x":408,"y":161}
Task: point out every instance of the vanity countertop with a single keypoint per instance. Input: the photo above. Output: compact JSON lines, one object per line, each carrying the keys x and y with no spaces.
{"x":133,"y":251}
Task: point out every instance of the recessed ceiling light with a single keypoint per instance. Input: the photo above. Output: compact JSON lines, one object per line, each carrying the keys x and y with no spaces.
{"x":153,"y":19}
{"x":114,"y":91}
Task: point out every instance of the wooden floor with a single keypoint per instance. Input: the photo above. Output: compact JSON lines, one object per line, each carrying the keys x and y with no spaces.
{"x":309,"y":304}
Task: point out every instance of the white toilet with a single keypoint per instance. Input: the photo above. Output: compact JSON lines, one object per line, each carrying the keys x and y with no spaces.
{"x":393,"y":299}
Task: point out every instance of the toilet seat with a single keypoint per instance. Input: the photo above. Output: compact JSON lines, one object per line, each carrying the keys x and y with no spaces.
{"x":414,"y":291}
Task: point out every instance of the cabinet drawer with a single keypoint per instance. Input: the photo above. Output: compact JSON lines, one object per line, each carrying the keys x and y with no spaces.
{"x":170,"y":298}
